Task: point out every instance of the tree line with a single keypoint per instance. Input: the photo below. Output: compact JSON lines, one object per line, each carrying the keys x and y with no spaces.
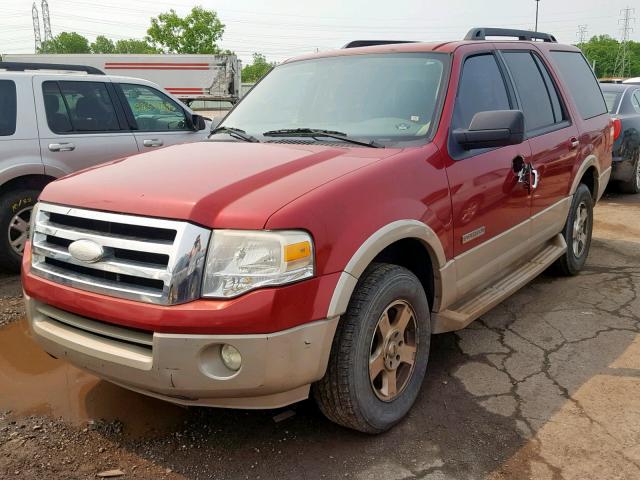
{"x":196,"y":33}
{"x":602,"y":50}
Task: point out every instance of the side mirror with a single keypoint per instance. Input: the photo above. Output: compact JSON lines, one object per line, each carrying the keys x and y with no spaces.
{"x":497,"y":128}
{"x":197,"y":122}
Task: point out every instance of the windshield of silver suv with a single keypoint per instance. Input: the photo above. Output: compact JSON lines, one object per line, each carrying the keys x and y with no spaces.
{"x":378,"y":99}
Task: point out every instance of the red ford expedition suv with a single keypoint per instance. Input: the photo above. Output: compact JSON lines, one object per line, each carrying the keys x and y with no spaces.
{"x":353,"y":204}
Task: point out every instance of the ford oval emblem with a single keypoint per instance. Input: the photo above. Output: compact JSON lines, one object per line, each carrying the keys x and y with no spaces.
{"x":86,"y":251}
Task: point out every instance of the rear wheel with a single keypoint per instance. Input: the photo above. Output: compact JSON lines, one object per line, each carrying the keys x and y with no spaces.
{"x":380,"y":352}
{"x":632,"y":185}
{"x":577,"y":233}
{"x":15,"y":214}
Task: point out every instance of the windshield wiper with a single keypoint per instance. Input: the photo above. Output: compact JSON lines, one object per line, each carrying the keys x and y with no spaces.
{"x":237,"y":133}
{"x":314,"y":132}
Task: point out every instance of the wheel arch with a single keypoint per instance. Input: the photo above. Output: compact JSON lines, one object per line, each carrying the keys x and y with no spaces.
{"x":390,"y":243}
{"x":589,"y":174}
{"x":32,"y":180}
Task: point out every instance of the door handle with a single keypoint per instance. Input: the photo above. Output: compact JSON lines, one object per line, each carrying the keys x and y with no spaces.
{"x":62,"y":147}
{"x":153,"y":142}
{"x":536,"y":178}
{"x":574,"y":143}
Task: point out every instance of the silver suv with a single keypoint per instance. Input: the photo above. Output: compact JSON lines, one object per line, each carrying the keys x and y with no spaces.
{"x":57,"y":119}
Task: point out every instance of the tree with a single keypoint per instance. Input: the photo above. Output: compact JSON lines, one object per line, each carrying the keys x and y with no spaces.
{"x":66,"y":42}
{"x":103,"y":45}
{"x":133,"y":45}
{"x":198,"y":32}
{"x":603,"y":50}
{"x":258,"y":69}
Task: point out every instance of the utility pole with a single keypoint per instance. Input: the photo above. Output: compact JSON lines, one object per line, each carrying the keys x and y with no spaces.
{"x":537,"y":5}
{"x":582,"y":34}
{"x":36,"y":27}
{"x":46,"y":21}
{"x":623,"y":66}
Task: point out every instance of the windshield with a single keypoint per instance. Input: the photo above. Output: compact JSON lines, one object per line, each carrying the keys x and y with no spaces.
{"x":611,"y":99}
{"x":386,"y":98}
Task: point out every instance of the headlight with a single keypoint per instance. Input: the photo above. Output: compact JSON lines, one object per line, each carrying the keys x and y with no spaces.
{"x":242,"y":260}
{"x":32,"y":221}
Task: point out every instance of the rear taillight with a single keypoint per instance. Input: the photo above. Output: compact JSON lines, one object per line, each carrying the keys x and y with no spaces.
{"x":616,"y":129}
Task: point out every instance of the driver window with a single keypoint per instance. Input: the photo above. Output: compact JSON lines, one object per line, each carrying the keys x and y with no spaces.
{"x":481,"y":89}
{"x":152,"y":110}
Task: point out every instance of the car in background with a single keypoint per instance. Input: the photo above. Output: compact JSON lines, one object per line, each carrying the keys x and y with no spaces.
{"x":633,"y":80}
{"x":623,"y":102}
{"x":57,"y":119}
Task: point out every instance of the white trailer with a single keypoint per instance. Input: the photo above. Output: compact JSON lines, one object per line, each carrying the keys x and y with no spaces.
{"x":188,"y":77}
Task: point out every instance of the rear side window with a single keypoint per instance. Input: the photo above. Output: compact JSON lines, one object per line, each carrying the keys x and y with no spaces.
{"x":635,"y":101}
{"x":611,"y":99}
{"x":79,"y":107}
{"x":8,"y":108}
{"x":580,"y":82}
{"x":532,"y":90}
{"x":481,"y":89}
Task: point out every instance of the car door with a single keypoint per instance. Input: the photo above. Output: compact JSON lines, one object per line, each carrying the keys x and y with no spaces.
{"x":80,"y":124}
{"x":553,"y":138}
{"x":490,"y":206}
{"x":157,"y":120}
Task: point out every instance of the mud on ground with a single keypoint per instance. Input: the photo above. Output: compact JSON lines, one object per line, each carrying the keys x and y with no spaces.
{"x":545,"y":386}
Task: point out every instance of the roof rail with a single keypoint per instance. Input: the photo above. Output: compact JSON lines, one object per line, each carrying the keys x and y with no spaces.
{"x":23,"y":66}
{"x":371,"y":43}
{"x":482,"y":33}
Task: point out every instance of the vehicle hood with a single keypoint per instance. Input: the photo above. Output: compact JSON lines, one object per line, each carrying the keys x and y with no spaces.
{"x":215,"y":184}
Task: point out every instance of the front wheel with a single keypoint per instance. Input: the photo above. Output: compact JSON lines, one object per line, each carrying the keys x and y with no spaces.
{"x":380,"y":352}
{"x":577,"y":233}
{"x":15,"y":214}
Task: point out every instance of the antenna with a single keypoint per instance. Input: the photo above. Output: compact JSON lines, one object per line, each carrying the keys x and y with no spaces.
{"x":623,"y":64}
{"x":36,"y":27}
{"x":46,"y":21}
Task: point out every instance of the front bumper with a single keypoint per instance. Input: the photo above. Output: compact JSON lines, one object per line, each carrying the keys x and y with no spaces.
{"x":277,"y":368}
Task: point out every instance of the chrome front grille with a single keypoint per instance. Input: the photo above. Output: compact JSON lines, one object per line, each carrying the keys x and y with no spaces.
{"x":144,"y":259}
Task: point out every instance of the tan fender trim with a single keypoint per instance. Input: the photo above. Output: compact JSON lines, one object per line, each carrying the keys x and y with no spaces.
{"x":376,"y":243}
{"x":590,"y":161}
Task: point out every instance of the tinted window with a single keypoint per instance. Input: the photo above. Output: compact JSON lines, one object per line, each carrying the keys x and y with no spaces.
{"x":558,"y":111}
{"x":152,"y":110}
{"x":79,"y":107}
{"x":580,"y":81}
{"x":611,"y":99}
{"x":532,"y":90}
{"x":481,"y":89}
{"x":635,"y":101}
{"x":7,"y":108}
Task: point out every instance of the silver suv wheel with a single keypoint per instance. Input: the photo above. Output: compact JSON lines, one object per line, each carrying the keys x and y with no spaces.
{"x":19,"y":229}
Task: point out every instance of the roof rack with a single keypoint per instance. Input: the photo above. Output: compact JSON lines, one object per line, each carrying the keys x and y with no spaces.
{"x":371,"y":43}
{"x":23,"y":66}
{"x":482,"y":33}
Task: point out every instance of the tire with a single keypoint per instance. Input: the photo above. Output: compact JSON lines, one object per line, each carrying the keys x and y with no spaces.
{"x":347,"y":395}
{"x":632,"y":185}
{"x":15,"y":212}
{"x":577,"y":252}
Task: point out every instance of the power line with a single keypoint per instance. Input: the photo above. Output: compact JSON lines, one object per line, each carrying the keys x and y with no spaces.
{"x":582,"y":34}
{"x":46,"y":21}
{"x":623,"y":65}
{"x":36,"y":27}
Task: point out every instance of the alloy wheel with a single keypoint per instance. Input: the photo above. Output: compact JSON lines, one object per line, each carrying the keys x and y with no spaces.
{"x":580,"y":230}
{"x":393,"y":350}
{"x":19,"y":229}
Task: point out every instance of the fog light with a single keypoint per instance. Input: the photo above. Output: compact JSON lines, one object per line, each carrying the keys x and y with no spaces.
{"x":231,"y":357}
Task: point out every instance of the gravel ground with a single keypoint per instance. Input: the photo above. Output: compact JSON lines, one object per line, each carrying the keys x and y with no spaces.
{"x":545,"y":386}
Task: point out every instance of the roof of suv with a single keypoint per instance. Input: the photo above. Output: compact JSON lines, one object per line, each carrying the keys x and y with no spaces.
{"x":443,"y":47}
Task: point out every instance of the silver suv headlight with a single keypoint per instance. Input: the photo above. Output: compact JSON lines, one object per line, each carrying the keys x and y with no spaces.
{"x":242,"y":260}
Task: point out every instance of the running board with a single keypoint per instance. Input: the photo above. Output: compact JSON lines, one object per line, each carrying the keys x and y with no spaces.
{"x":473,"y":306}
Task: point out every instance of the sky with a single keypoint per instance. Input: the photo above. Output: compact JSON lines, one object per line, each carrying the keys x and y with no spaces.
{"x":283,"y":28}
